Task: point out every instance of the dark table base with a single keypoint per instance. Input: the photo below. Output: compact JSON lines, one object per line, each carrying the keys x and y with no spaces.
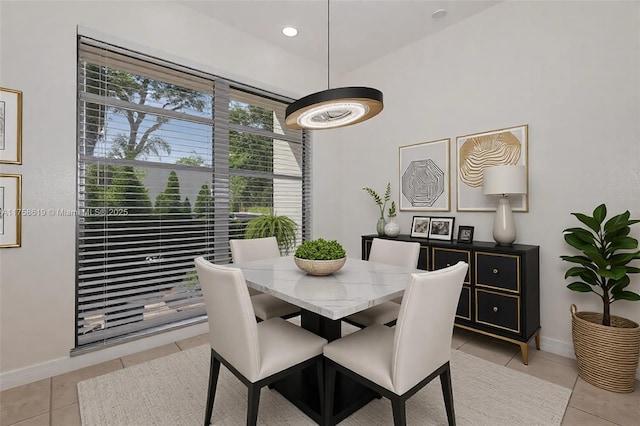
{"x":302,"y":389}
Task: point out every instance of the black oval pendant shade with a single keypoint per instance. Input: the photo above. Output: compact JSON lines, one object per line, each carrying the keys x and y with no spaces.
{"x":334,"y":108}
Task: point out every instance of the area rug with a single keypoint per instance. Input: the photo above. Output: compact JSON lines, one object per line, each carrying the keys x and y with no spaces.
{"x":172,"y":391}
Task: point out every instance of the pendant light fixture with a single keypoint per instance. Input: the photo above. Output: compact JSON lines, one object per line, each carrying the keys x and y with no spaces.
{"x":333,"y":108}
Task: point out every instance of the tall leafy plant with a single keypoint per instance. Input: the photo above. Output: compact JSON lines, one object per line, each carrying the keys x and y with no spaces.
{"x":271,"y":225}
{"x":607,"y":250}
{"x":380,"y":201}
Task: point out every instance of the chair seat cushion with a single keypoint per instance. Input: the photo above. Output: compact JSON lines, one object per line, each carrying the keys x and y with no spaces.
{"x":266,"y":306}
{"x":379,"y":314}
{"x":366,"y":352}
{"x":283,"y":345}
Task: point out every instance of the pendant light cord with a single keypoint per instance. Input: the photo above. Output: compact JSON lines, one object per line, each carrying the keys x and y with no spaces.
{"x":328,"y":49}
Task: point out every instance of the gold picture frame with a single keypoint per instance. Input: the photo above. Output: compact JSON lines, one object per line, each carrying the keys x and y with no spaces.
{"x":425,"y":182}
{"x":10,"y":210}
{"x":478,"y":151}
{"x":10,"y":126}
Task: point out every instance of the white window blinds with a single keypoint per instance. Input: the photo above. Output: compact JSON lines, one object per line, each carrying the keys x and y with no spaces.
{"x":172,"y":163}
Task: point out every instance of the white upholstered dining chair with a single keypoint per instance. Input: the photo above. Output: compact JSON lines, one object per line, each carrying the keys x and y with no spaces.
{"x":264,"y":305}
{"x":257,"y":353}
{"x":397,"y":362}
{"x":398,"y":253}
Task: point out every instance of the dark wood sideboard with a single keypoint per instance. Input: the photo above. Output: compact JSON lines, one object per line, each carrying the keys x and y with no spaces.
{"x":501,"y":293}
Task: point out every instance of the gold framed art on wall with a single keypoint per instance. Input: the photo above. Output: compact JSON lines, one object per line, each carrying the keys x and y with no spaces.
{"x":10,"y":126}
{"x":478,"y":151}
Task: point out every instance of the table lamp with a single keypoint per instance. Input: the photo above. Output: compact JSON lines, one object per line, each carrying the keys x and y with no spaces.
{"x":504,"y":181}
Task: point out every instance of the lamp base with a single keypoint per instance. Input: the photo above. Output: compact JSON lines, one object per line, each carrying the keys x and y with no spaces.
{"x":504,"y":227}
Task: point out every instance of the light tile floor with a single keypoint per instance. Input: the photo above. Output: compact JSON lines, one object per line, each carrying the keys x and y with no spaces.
{"x":54,"y":401}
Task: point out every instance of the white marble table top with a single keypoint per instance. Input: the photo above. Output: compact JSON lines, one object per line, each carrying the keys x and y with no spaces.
{"x":357,"y":286}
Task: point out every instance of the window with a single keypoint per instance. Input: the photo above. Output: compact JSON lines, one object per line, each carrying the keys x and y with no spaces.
{"x":172,"y":163}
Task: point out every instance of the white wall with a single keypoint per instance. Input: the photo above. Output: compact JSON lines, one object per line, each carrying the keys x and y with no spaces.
{"x":570,"y":71}
{"x":38,"y":57}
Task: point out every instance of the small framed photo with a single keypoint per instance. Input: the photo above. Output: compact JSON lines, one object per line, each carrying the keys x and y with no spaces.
{"x":465,"y":234}
{"x":441,"y":228}
{"x":420,"y":227}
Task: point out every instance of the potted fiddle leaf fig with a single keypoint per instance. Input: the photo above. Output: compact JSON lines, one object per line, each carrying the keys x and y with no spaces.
{"x":607,"y":347}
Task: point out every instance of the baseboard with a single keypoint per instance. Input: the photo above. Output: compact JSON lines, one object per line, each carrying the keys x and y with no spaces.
{"x":33,"y":373}
{"x":563,"y":349}
{"x":557,"y":347}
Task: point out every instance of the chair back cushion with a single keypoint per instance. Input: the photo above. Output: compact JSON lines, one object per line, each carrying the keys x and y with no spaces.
{"x":422,"y":340}
{"x":254,"y":249}
{"x":233,"y":331}
{"x":398,"y":253}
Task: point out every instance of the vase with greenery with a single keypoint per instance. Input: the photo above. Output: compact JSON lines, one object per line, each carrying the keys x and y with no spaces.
{"x":382,"y":204}
{"x":606,"y":346}
{"x":272,"y":225}
{"x":392,"y":229}
{"x":320,"y":256}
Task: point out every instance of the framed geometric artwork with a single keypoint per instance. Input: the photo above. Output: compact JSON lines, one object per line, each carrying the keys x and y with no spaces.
{"x":481,"y":150}
{"x":424,"y":176}
{"x":10,"y":126}
{"x":10,"y":210}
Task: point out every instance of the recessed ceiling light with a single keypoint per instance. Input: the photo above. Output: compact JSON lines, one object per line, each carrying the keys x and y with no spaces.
{"x":290,"y":31}
{"x":440,"y":13}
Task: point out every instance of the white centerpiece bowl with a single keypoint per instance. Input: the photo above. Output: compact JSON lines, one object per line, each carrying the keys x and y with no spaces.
{"x":320,"y":267}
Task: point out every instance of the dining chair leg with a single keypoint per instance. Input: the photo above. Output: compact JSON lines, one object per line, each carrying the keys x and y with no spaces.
{"x":320,"y":374}
{"x":447,"y":393}
{"x":399,"y":411}
{"x":214,"y":370}
{"x":329,"y":389}
{"x":253,"y":396}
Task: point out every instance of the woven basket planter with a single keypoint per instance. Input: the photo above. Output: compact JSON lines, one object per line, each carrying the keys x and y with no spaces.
{"x":607,"y":356}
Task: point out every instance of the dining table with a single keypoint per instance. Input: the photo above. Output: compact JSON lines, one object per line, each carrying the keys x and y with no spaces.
{"x":324,"y":301}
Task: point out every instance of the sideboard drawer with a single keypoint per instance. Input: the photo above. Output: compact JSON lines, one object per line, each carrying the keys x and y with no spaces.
{"x":445,"y":257}
{"x":498,"y":310}
{"x":496,"y":270}
{"x":464,"y":304}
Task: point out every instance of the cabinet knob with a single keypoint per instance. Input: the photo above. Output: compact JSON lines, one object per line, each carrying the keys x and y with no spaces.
{"x":495,"y":309}
{"x":495,"y":270}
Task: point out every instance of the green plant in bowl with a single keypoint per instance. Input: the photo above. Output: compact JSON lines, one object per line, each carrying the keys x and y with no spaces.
{"x":320,"y":249}
{"x":320,"y":257}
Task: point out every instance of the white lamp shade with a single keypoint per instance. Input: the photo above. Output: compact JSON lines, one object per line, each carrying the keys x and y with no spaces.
{"x":500,"y":180}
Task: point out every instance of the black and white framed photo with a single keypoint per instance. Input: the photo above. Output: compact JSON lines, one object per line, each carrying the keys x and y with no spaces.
{"x":420,"y":227}
{"x":441,"y":228}
{"x":465,"y":234}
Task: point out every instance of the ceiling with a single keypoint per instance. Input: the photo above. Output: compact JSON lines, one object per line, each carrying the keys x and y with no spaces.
{"x":360,"y":31}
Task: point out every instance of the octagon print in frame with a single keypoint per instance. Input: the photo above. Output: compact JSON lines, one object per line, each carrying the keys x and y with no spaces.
{"x":424,"y":176}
